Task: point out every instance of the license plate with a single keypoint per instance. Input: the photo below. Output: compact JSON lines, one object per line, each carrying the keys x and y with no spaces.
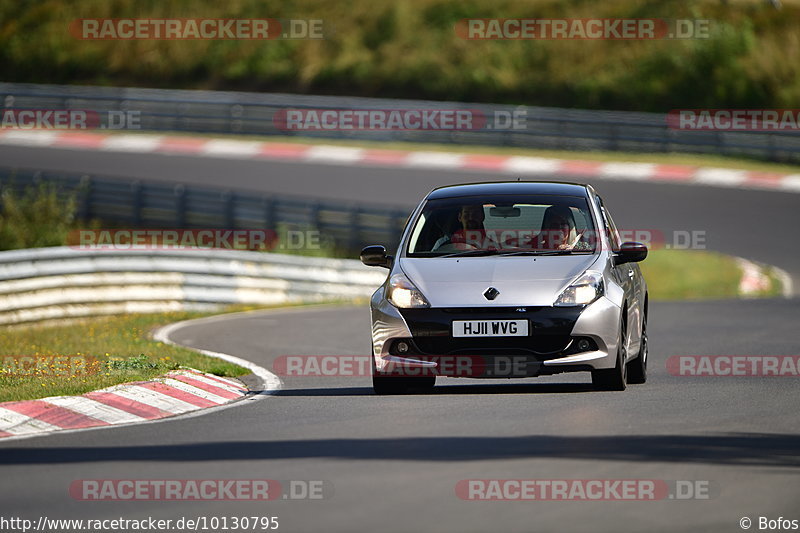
{"x":490,"y":328}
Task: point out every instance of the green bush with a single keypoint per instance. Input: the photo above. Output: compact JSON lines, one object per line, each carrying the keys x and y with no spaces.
{"x":410,"y":49}
{"x":38,"y":216}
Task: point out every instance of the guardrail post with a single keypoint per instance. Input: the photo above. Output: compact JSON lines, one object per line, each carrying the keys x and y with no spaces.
{"x":268,"y":208}
{"x":355,"y":229}
{"x":180,"y":205}
{"x":613,"y":141}
{"x":136,"y":209}
{"x":773,"y":156}
{"x":397,"y":228}
{"x":236,"y":112}
{"x":85,"y":200}
{"x":229,"y":206}
{"x":316,"y":221}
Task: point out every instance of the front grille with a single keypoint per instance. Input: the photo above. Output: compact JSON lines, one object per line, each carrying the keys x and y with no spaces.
{"x":550,"y":329}
{"x":486,"y":310}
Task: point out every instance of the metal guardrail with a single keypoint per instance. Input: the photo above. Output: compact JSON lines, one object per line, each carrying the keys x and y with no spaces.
{"x":135,"y":204}
{"x":546,"y":128}
{"x":61,"y":282}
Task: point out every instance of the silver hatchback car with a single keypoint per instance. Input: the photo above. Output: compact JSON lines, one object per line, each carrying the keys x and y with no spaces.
{"x":508,"y":280}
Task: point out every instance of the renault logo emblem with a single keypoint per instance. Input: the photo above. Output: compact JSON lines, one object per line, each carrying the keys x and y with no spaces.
{"x":491,"y":293}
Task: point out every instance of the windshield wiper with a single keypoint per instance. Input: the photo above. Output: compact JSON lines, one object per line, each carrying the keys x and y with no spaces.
{"x":471,"y":253}
{"x":480,"y":253}
{"x":547,"y":252}
{"x":551,"y":252}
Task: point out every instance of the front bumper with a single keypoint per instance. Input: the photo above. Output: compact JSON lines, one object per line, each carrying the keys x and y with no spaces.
{"x":551,"y":346}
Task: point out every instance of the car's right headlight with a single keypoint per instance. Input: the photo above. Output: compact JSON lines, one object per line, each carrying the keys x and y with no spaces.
{"x":583,"y":291}
{"x":402,"y":293}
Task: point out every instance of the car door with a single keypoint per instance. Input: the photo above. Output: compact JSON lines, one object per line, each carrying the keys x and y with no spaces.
{"x":627,"y":276}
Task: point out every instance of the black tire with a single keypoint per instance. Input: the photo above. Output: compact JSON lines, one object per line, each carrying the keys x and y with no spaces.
{"x":613,"y":379}
{"x":384,"y":384}
{"x":637,"y":369}
{"x":387,"y":385}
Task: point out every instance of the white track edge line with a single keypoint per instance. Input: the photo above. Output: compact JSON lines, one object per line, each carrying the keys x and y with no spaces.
{"x":271,"y":383}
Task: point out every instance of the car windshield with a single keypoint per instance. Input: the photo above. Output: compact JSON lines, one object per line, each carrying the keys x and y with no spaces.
{"x":503,"y":225}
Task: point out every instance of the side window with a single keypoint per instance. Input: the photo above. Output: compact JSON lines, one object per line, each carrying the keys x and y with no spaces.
{"x":580,"y":219}
{"x":615,"y":242}
{"x":610,"y":228}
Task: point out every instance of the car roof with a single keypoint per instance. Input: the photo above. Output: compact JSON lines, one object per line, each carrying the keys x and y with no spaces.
{"x":510,"y":187}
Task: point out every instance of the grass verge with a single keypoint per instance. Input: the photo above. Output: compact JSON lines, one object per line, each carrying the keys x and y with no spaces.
{"x":99,"y":353}
{"x":697,"y":275}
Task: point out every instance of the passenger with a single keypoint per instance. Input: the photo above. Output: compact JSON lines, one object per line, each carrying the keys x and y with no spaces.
{"x":558,"y":232}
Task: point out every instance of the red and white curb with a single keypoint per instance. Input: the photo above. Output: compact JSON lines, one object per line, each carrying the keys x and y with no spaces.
{"x":512,"y":165}
{"x":177,"y":392}
{"x":755,"y":279}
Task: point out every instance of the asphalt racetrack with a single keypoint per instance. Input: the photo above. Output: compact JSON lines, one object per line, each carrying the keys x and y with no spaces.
{"x":393,"y":463}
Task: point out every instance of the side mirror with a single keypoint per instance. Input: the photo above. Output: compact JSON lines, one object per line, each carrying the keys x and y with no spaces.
{"x":375,"y":256}
{"x":630,"y":252}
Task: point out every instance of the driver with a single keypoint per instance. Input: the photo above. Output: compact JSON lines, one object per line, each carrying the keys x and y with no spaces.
{"x":471,"y":233}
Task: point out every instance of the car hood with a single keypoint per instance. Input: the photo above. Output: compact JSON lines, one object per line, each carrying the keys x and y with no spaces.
{"x":526,"y":280}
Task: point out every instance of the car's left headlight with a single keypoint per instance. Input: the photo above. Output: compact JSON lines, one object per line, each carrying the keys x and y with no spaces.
{"x":402,"y":293}
{"x":583,"y":291}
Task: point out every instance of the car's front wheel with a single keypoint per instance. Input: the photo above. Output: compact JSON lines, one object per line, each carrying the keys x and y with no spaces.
{"x":637,"y":369}
{"x":386,"y":384}
{"x":613,"y":379}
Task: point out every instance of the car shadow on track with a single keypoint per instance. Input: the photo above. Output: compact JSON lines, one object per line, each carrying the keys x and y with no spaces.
{"x":738,"y":449}
{"x":444,"y":390}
